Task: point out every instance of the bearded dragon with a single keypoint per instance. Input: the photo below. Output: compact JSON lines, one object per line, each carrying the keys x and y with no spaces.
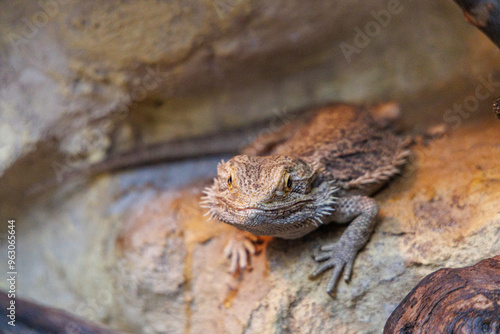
{"x":317,"y":169}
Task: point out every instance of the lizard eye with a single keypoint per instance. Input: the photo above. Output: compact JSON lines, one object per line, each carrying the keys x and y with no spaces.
{"x":288,"y":182}
{"x":230,"y":181}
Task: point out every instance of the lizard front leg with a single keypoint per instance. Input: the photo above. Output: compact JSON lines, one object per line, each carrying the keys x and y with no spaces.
{"x":362,"y":211}
{"x":240,"y":249}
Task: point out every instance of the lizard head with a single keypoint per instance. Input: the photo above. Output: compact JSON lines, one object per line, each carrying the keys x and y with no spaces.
{"x":263,"y":194}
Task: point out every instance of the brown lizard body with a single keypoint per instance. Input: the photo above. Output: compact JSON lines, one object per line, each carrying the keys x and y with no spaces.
{"x":321,"y":168}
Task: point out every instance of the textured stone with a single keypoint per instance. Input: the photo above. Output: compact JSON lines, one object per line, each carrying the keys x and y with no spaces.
{"x":134,"y":251}
{"x":435,"y":215}
{"x":76,"y":75}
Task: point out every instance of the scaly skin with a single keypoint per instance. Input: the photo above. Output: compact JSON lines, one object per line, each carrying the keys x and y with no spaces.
{"x":319,"y":169}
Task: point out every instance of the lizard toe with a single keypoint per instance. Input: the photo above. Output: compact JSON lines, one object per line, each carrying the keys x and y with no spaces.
{"x":323,"y":267}
{"x":239,"y":250}
{"x":322,"y":256}
{"x":348,"y":270}
{"x":333,"y":279}
{"x":234,"y":261}
{"x":329,"y":247}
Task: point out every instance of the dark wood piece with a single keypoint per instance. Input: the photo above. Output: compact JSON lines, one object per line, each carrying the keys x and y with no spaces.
{"x":32,"y":318}
{"x":462,"y":300}
{"x":485,"y":15}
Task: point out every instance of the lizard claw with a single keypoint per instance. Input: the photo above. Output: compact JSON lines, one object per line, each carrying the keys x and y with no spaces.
{"x":239,"y":249}
{"x":337,"y":257}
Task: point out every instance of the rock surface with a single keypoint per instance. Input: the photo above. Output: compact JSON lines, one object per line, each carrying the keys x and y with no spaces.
{"x":141,"y":256}
{"x":134,"y":251}
{"x":81,"y":79}
{"x":429,"y":219}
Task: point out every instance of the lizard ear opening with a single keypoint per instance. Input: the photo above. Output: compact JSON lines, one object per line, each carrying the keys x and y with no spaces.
{"x":230,"y":181}
{"x":287,"y":181}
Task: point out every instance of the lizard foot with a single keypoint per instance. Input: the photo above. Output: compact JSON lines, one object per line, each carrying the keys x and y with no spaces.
{"x":239,"y":249}
{"x":335,"y":256}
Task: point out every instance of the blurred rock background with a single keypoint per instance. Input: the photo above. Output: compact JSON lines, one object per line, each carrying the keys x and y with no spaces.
{"x":80,"y":80}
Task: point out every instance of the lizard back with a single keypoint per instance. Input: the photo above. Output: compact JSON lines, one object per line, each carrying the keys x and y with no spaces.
{"x":349,"y":144}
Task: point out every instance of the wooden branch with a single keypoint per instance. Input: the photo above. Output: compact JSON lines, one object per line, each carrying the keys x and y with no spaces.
{"x":33,"y":318}
{"x":463,"y":300}
{"x":485,"y":15}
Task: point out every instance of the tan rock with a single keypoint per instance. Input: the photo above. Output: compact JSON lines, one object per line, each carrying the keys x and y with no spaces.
{"x":437,"y":214}
{"x":133,"y":251}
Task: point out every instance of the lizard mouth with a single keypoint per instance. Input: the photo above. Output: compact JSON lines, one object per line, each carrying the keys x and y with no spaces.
{"x":290,"y":207}
{"x":288,"y":230}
